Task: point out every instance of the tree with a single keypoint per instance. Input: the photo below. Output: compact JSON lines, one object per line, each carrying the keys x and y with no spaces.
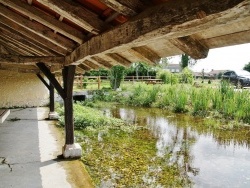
{"x":116,"y":76}
{"x":187,"y":60}
{"x":247,"y":67}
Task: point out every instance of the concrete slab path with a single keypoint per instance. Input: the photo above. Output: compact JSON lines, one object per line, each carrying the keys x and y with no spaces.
{"x":29,"y":146}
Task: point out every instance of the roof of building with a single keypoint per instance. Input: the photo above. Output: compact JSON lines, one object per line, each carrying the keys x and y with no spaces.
{"x":102,"y":33}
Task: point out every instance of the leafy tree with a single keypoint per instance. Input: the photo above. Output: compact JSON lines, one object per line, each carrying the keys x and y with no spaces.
{"x":187,"y":60}
{"x":164,"y":75}
{"x":116,"y":76}
{"x":100,"y":72}
{"x":140,"y":69}
{"x":247,"y":67}
{"x":186,"y":76}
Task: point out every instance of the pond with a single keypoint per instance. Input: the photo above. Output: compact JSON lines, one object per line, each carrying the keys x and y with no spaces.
{"x":171,"y":150}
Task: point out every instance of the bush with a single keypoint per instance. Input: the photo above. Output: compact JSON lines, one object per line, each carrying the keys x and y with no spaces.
{"x":164,"y":75}
{"x":186,"y":76}
{"x":116,"y":76}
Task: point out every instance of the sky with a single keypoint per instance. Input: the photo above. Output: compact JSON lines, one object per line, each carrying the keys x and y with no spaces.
{"x":232,"y":57}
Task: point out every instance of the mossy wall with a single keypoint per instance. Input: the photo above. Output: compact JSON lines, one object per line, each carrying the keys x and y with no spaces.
{"x":21,"y":90}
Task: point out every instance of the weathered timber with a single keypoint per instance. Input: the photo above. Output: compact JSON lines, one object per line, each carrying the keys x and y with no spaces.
{"x":3,"y":50}
{"x":7,"y":58}
{"x":119,"y":7}
{"x":147,"y":53}
{"x":45,"y":19}
{"x":31,"y":35}
{"x":122,"y":60}
{"x":102,"y":61}
{"x":68,"y":82}
{"x":19,"y":69}
{"x":173,"y":19}
{"x":72,"y":11}
{"x":51,"y":97}
{"x":38,"y":29}
{"x":191,"y":46}
{"x":52,"y":79}
{"x":84,"y":67}
{"x":90,"y":64}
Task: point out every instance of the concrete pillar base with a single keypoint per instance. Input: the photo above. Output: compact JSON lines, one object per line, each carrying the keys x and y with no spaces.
{"x":72,"y":151}
{"x":53,"y":116}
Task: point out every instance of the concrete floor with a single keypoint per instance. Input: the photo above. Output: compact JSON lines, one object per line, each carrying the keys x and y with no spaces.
{"x":29,"y":146}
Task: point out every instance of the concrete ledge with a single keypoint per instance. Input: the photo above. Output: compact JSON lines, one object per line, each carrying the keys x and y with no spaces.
{"x":3,"y":115}
{"x":72,"y":151}
{"x":53,"y":116}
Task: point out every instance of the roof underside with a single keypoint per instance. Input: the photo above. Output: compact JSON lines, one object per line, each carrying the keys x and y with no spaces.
{"x":102,"y":33}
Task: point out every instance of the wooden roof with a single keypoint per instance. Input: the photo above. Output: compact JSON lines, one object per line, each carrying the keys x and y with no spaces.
{"x":103,"y":33}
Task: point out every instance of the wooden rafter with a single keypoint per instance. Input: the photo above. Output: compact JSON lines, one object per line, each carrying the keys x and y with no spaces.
{"x":120,"y":59}
{"x":191,"y":46}
{"x":79,"y":15}
{"x":90,"y":64}
{"x":31,"y":35}
{"x":17,"y":59}
{"x":148,"y":54}
{"x":38,"y":29}
{"x":102,"y":61}
{"x":119,"y":7}
{"x":45,"y":19}
{"x":173,"y":19}
{"x":84,"y":67}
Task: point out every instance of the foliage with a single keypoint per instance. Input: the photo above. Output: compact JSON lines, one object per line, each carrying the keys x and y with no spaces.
{"x":247,"y":67}
{"x":186,"y":60}
{"x":140,"y":69}
{"x":116,"y":76}
{"x":186,"y":76}
{"x":85,"y":80}
{"x":88,"y":117}
{"x":164,"y":75}
{"x":100,"y":72}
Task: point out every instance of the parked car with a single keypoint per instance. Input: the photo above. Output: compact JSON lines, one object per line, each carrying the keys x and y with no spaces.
{"x":239,"y":78}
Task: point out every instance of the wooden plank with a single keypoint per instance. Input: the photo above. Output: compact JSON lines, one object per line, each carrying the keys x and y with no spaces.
{"x":52,"y":79}
{"x":18,"y":59}
{"x":90,"y":64}
{"x":3,"y":50}
{"x":102,"y":61}
{"x":191,"y":46}
{"x":147,"y":53}
{"x":45,"y":19}
{"x":119,"y":58}
{"x":76,"y":13}
{"x":38,"y":29}
{"x":22,"y":39}
{"x":84,"y":67}
{"x":19,"y":69}
{"x":33,"y":36}
{"x":68,"y":82}
{"x":119,"y":7}
{"x":172,"y":19}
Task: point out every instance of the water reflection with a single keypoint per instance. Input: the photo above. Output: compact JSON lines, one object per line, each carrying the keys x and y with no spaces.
{"x":204,"y":156}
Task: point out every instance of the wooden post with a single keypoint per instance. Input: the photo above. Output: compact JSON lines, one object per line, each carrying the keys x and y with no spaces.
{"x":68,"y":81}
{"x":51,"y":98}
{"x":99,"y":82}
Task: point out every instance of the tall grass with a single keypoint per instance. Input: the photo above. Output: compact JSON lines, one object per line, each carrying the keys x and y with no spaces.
{"x":181,"y":98}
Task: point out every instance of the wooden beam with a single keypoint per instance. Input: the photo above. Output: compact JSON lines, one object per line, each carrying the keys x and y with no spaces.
{"x":119,"y":7}
{"x":43,"y":81}
{"x":84,"y":67}
{"x":29,"y":60}
{"x":3,"y":50}
{"x":19,"y":69}
{"x":191,"y":46}
{"x":45,"y":19}
{"x":38,"y":29}
{"x":52,"y":79}
{"x":22,"y":39}
{"x":102,"y":61}
{"x":76,"y":13}
{"x":173,"y":19}
{"x":22,"y":44}
{"x":31,"y":35}
{"x":19,"y":50}
{"x":68,"y":82}
{"x":120,"y":59}
{"x":151,"y":56}
{"x":90,"y":64}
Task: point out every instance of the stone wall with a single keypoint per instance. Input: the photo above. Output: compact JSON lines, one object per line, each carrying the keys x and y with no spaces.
{"x":21,"y":90}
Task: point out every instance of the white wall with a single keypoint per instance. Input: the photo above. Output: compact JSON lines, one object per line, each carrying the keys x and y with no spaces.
{"x":21,"y":90}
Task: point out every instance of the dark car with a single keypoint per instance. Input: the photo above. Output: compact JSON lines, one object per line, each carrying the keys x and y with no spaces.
{"x":240,"y":78}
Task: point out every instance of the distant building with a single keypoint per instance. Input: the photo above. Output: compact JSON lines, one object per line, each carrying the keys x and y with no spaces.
{"x":215,"y":74}
{"x":174,"y":68}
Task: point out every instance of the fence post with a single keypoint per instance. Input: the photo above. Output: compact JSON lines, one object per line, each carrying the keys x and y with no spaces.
{"x":98,"y":81}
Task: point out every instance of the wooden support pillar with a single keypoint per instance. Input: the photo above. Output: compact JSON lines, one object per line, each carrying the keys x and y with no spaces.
{"x":70,"y":149}
{"x":68,"y":81}
{"x":50,"y":87}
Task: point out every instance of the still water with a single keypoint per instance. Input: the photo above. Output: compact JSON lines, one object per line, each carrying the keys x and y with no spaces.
{"x":204,"y":156}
